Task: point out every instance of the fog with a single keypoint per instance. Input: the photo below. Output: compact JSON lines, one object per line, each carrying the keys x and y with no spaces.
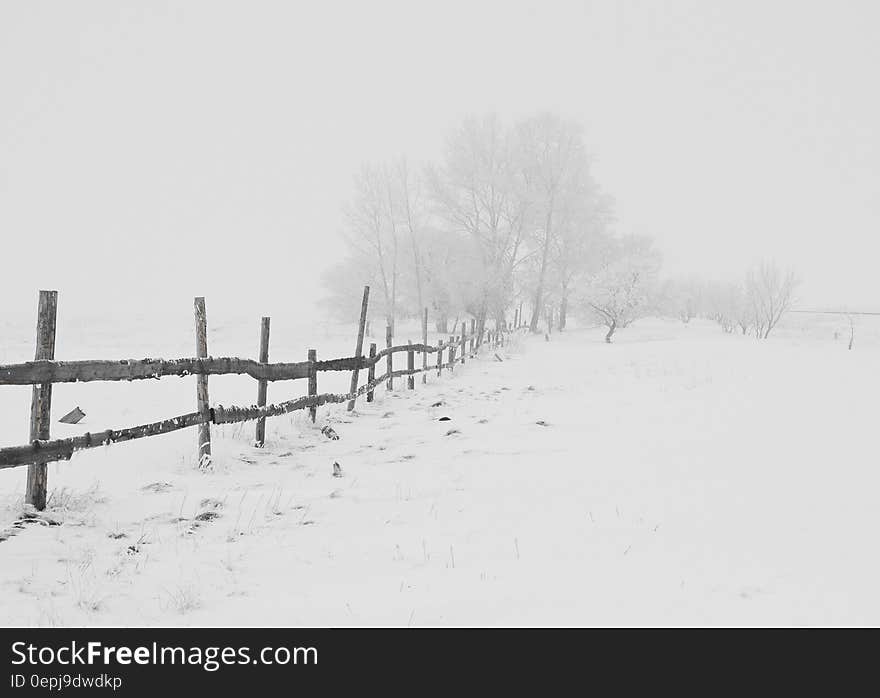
{"x":150,"y":152}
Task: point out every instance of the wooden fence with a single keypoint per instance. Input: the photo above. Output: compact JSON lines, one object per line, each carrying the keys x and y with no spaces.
{"x":44,"y":371}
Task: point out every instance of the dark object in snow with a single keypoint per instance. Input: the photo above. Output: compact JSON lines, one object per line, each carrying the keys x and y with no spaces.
{"x":329,"y":433}
{"x":531,"y":387}
{"x":498,"y":358}
{"x":337,"y":469}
{"x":542,"y":423}
{"x":207,"y":516}
{"x":444,"y":419}
{"x":452,"y":431}
{"x":73,"y":417}
{"x":437,"y":404}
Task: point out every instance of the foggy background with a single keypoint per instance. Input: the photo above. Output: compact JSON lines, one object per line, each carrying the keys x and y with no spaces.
{"x":150,"y":152}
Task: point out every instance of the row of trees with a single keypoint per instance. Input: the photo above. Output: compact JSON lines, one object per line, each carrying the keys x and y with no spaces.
{"x":509,"y":215}
{"x":512,"y":217}
{"x":753,"y":306}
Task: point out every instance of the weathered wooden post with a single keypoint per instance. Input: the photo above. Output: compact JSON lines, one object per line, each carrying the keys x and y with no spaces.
{"x":410,"y":366}
{"x":516,"y":318}
{"x":41,"y":398}
{"x":425,"y":348}
{"x":463,"y":340}
{"x":371,"y":371}
{"x":262,"y":385}
{"x":359,"y":349}
{"x":202,"y":402}
{"x":313,"y":382}
{"x":473,"y":335}
{"x":439,"y":357}
{"x":453,"y":342}
{"x":389,"y":358}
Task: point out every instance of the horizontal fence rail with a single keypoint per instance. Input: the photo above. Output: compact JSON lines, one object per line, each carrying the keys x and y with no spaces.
{"x":44,"y":372}
{"x":38,"y":372}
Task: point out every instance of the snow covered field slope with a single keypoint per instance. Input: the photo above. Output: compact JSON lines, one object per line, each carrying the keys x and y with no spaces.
{"x":678,"y":476}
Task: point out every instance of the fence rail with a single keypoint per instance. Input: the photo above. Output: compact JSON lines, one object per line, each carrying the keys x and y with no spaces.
{"x":42,"y":373}
{"x":37,"y":372}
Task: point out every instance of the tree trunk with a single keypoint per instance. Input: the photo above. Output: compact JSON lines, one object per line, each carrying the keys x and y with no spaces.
{"x":539,"y":294}
{"x":611,"y":329}
{"x":563,"y":311}
{"x":441,"y":324}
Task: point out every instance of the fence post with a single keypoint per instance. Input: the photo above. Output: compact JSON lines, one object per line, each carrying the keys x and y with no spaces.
{"x":389,"y":385}
{"x":473,"y":334}
{"x":425,"y":350}
{"x":453,"y":341}
{"x":371,"y":371}
{"x":313,"y":382}
{"x":41,"y":398}
{"x":410,"y":366}
{"x":359,"y":350}
{"x":262,"y":386}
{"x":439,"y":357}
{"x":202,"y":383}
{"x":463,"y":340}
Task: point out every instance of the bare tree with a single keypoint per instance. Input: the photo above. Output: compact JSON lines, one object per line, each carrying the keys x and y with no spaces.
{"x":408,"y":190}
{"x":554,"y":161}
{"x":771,"y":294}
{"x":475,"y":193}
{"x":625,"y":289}
{"x":578,"y":247}
{"x":372,"y":231}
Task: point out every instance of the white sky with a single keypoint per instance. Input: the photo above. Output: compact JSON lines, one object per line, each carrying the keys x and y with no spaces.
{"x":135,"y":136}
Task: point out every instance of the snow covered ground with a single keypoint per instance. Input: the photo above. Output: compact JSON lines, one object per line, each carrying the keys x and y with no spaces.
{"x":678,"y":476}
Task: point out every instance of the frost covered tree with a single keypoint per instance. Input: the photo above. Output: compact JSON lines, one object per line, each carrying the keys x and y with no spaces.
{"x":626,"y":287}
{"x":579,"y":246}
{"x":556,"y":170}
{"x":770,"y":294}
{"x":477,"y":195}
{"x":372,"y":235}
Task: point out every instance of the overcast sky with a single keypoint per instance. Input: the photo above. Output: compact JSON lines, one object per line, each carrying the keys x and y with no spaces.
{"x":183,"y":148}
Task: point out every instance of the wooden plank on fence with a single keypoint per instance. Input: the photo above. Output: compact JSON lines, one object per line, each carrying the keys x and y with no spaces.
{"x":439,"y":357}
{"x":359,"y":350}
{"x":35,"y":372}
{"x":202,"y":402}
{"x":63,"y":449}
{"x":262,"y":386}
{"x":473,"y":334}
{"x":371,"y":371}
{"x":411,"y":367}
{"x":313,"y":382}
{"x":41,"y":397}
